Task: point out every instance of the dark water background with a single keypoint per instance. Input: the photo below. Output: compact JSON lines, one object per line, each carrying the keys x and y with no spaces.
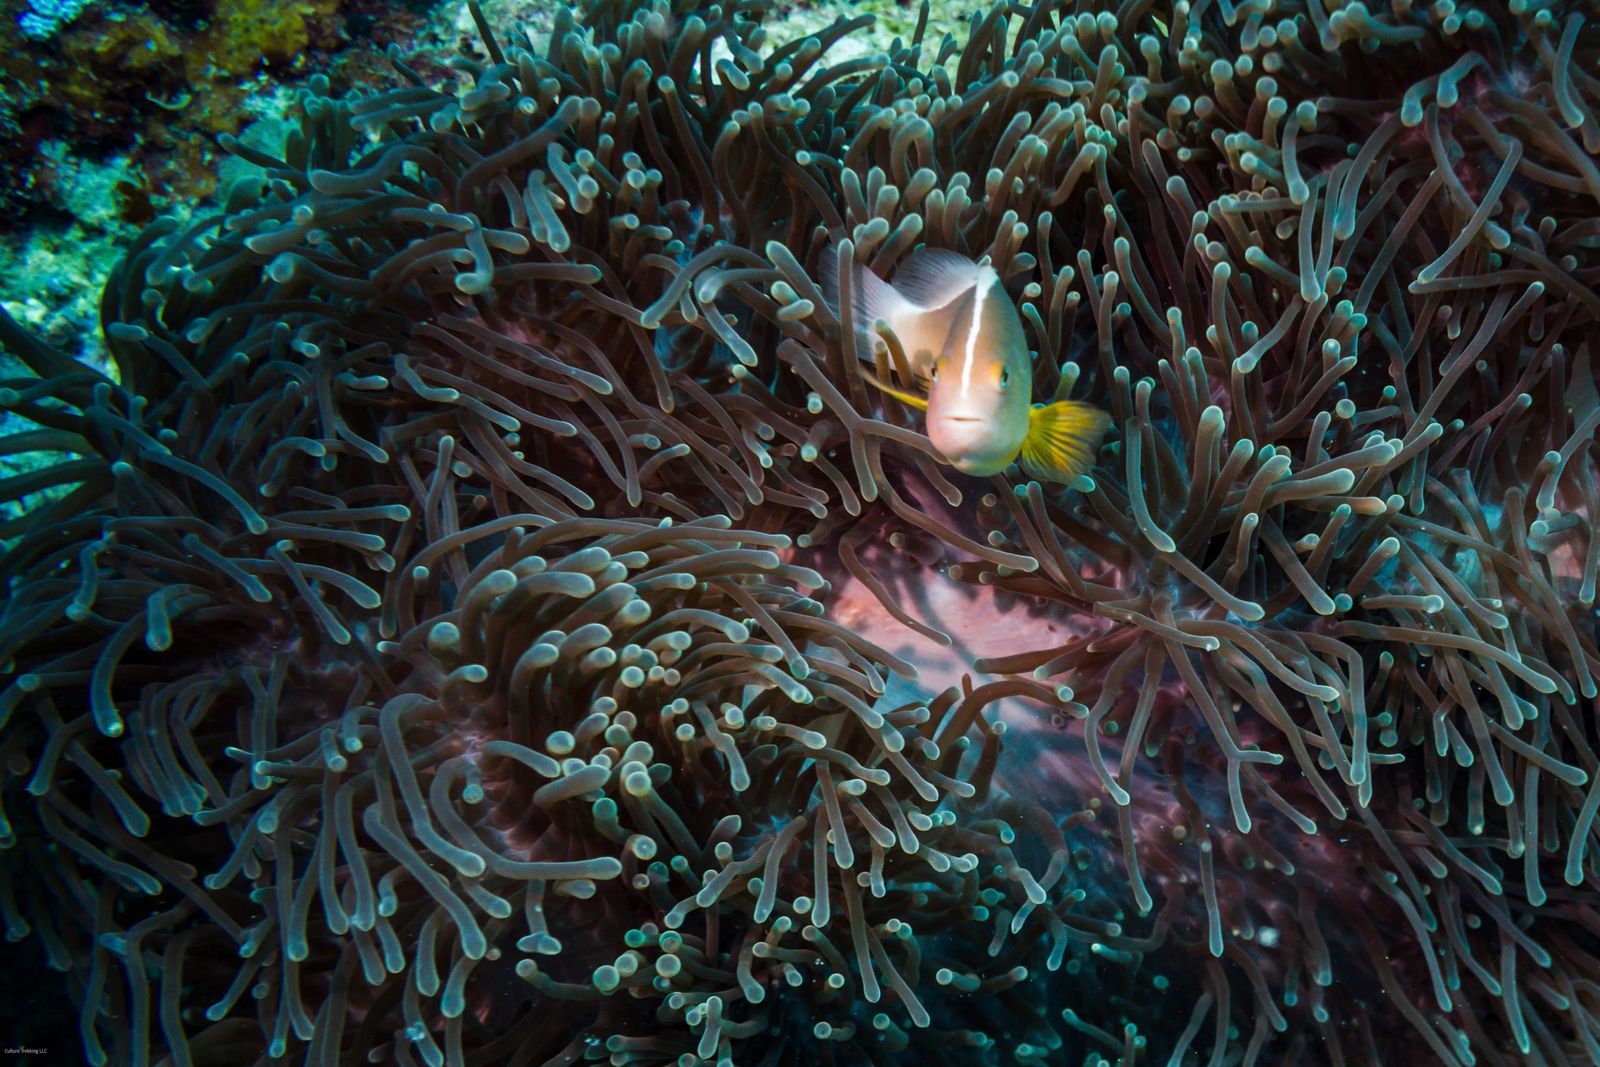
{"x":35,"y":1010}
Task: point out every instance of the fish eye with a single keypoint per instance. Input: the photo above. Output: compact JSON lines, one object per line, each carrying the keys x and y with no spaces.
{"x":933,"y":373}
{"x":1005,"y":377}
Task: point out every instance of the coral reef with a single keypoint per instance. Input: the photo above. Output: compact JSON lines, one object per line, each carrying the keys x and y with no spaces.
{"x":487,"y":617}
{"x":160,"y":80}
{"x":111,"y":118}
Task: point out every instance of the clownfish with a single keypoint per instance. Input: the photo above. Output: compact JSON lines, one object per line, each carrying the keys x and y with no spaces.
{"x":963,"y":339}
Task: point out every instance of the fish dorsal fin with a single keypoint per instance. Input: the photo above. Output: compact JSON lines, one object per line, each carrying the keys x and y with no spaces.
{"x":934,"y":277}
{"x":1062,"y":440}
{"x":828,"y":276}
{"x":871,"y":298}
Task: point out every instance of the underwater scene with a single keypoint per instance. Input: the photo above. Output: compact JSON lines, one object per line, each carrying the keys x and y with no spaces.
{"x":796,"y":532}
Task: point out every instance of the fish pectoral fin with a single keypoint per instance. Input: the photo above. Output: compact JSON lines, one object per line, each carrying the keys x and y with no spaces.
{"x":1062,"y":440}
{"x":918,"y":402}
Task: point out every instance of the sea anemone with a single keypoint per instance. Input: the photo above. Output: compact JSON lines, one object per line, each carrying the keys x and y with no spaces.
{"x":489,"y":618}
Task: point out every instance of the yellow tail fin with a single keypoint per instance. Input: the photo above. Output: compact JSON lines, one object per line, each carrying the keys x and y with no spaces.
{"x":1062,"y":440}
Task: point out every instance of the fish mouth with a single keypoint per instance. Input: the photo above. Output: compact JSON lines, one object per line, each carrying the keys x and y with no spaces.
{"x":962,"y":419}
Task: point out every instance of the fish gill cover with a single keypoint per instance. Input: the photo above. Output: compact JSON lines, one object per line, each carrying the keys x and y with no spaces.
{"x":490,"y":620}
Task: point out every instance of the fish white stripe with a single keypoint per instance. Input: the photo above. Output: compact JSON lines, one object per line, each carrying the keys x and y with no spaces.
{"x":972,"y":331}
